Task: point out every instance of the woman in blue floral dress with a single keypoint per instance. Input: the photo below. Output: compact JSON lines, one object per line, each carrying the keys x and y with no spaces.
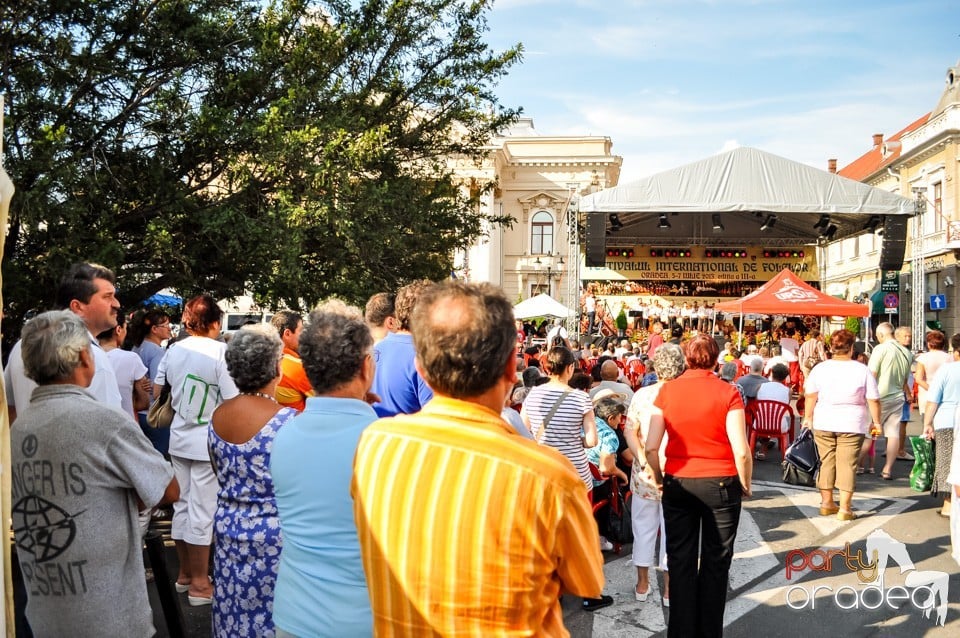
{"x":246,"y":528}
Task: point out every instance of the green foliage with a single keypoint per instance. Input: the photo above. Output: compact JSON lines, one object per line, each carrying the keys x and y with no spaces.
{"x":294,"y":149}
{"x":621,"y":320}
{"x":852,"y":324}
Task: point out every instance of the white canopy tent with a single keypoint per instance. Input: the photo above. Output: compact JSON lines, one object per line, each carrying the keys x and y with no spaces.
{"x":748,"y":188}
{"x":542,"y":305}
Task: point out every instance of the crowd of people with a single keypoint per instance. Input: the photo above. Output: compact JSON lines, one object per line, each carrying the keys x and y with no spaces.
{"x":359,"y":472}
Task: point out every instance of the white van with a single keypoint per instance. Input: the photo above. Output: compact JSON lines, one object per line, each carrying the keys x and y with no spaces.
{"x":233,"y":321}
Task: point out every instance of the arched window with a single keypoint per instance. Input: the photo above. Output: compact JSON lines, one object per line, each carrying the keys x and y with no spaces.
{"x":541,"y":233}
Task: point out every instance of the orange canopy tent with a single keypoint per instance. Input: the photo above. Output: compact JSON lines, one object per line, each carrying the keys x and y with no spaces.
{"x":787,"y":294}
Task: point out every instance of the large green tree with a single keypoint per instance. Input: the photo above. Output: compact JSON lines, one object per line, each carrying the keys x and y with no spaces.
{"x":294,"y":149}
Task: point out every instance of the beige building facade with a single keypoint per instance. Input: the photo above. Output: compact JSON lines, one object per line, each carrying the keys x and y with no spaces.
{"x":922,"y":162}
{"x":538,"y":180}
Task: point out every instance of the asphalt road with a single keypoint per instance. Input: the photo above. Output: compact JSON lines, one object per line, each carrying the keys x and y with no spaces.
{"x":781,"y":523}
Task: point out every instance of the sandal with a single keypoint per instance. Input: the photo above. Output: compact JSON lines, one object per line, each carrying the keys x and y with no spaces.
{"x":829,"y":510}
{"x":886,"y":476}
{"x":859,"y":471}
{"x":869,"y":470}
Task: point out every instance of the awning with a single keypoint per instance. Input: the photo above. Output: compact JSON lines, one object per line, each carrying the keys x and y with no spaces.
{"x":542,"y":305}
{"x":163,"y":300}
{"x":787,"y":294}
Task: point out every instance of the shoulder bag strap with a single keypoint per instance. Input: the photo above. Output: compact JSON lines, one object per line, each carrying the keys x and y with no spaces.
{"x":546,"y":419}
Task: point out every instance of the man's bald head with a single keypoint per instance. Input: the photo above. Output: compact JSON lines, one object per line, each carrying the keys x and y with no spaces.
{"x":884,"y":331}
{"x":609,"y":371}
{"x":464,"y":337}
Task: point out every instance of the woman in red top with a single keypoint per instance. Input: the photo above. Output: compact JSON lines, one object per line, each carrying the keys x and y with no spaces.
{"x":707,"y":473}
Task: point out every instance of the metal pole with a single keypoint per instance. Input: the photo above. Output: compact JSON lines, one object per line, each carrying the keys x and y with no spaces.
{"x":918,"y":273}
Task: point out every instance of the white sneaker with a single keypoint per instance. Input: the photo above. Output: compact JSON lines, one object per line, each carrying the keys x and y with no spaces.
{"x":605,"y":545}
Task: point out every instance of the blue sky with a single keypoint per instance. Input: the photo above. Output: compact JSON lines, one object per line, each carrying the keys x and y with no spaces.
{"x":675,"y":81}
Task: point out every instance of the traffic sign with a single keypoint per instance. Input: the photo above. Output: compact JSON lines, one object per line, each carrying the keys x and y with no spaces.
{"x":891,"y":300}
{"x":938,"y":302}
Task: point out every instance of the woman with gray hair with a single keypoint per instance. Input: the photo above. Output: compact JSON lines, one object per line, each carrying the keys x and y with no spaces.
{"x":246,"y":524}
{"x":647,"y":514}
{"x":608,"y":410}
{"x":321,"y":588}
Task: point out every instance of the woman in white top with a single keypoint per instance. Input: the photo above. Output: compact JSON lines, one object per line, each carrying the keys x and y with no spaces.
{"x":941,"y":402}
{"x":646,"y":512}
{"x":927,"y":365}
{"x":196,"y":371}
{"x":836,"y":393}
{"x":571,"y":427}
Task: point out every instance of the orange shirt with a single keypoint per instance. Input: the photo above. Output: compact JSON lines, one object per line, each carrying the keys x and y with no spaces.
{"x":468,"y":529}
{"x":695,"y":407}
{"x":294,"y":387}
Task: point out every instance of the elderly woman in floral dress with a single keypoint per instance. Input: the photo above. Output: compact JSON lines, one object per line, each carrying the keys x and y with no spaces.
{"x":646,"y":510}
{"x":247,"y":526}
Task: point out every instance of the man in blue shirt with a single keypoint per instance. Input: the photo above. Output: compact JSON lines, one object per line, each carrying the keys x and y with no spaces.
{"x":400,"y":389}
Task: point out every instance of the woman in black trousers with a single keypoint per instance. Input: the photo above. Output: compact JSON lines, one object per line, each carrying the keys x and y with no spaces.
{"x":707,"y":473}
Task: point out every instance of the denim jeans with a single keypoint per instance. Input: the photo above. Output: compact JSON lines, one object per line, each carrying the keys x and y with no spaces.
{"x":701,"y":517}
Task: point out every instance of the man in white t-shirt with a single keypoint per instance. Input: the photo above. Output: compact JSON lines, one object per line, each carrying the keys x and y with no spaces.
{"x":590,"y":307}
{"x":789,"y":347}
{"x":751,"y":355}
{"x":622,"y":349}
{"x":777,"y":390}
{"x":87,"y":290}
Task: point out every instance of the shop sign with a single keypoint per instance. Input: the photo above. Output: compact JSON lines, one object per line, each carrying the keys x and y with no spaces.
{"x":890,"y":281}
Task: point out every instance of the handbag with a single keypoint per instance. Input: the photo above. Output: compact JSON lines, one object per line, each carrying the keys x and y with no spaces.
{"x":921,"y":476}
{"x":812,"y":358}
{"x":793,"y":475}
{"x":160,"y":414}
{"x":801,"y":460}
{"x":803,"y":452}
{"x":619,"y":518}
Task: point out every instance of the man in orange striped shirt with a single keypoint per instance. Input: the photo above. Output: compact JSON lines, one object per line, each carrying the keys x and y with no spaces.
{"x":294,"y":386}
{"x":465,"y":527}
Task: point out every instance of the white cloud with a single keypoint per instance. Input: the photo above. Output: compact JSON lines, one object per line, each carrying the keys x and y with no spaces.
{"x":670,"y":85}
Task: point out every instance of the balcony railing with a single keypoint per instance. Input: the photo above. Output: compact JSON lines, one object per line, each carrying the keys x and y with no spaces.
{"x":949,"y":119}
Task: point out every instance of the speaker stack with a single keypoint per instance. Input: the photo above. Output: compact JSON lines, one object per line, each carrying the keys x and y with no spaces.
{"x":596,"y":256}
{"x":894,"y":242}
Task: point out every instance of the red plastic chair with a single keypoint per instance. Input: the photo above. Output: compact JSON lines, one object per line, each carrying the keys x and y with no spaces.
{"x":742,"y":369}
{"x":635,"y":371}
{"x":766,"y":418}
{"x":589,"y":364}
{"x":605,"y":502}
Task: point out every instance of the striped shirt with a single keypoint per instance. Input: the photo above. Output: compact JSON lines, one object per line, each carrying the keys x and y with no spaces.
{"x":566,"y":427}
{"x":468,"y":529}
{"x":293,"y":387}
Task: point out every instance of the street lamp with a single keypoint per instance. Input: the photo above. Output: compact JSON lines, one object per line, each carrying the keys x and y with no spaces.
{"x":550,"y":268}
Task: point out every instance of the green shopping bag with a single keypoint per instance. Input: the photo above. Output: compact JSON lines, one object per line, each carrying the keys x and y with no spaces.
{"x":921,"y":476}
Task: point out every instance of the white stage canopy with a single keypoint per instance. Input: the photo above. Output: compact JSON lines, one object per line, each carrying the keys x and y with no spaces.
{"x":746,"y":187}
